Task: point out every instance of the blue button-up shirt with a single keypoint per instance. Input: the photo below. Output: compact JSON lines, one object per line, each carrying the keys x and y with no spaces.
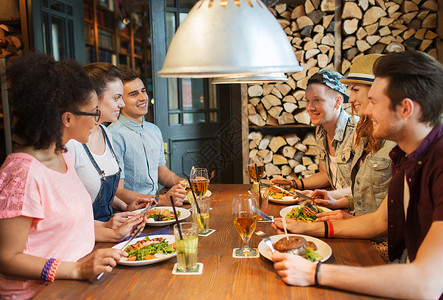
{"x":140,"y":152}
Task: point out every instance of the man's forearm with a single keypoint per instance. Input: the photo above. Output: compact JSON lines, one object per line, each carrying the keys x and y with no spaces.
{"x":392,"y":281}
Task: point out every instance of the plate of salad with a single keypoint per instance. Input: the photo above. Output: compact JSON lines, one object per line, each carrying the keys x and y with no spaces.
{"x":164,"y":215}
{"x":302,"y":213}
{"x":148,"y":250}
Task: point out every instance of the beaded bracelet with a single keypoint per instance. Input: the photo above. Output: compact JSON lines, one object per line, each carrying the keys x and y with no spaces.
{"x":326,"y":229}
{"x":46,"y":268}
{"x":331,"y":229}
{"x":294,"y":184}
{"x":51,"y":276}
{"x":317,"y":268}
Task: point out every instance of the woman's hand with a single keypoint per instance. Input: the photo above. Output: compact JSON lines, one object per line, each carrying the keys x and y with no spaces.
{"x":294,"y":269}
{"x":118,"y":219}
{"x":140,"y":202}
{"x":129,"y":226}
{"x":102,"y":260}
{"x":333,"y":215}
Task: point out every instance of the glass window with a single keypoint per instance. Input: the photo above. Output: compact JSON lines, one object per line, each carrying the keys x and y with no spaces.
{"x":187,"y":3}
{"x":56,"y":37}
{"x":213,"y":99}
{"x":193,"y":118}
{"x":170,"y":27}
{"x":173,"y":93}
{"x":69,"y":10}
{"x":213,"y":117}
{"x":193,"y":93}
{"x":174,"y":119}
{"x":58,"y":6}
{"x":182,"y":17}
{"x":170,"y":3}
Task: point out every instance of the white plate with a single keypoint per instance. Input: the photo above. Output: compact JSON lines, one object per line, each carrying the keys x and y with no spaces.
{"x":288,"y":209}
{"x":322,"y":248}
{"x":184,"y":213}
{"x":284,"y":200}
{"x":159,"y":256}
{"x":208,"y":194}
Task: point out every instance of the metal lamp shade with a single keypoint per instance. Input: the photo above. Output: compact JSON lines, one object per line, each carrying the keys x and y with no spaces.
{"x":259,"y":78}
{"x":229,"y":37}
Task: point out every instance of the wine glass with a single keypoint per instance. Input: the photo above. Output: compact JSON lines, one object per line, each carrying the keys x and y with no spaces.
{"x":199,"y":181}
{"x":245,"y":221}
{"x":256,"y":169}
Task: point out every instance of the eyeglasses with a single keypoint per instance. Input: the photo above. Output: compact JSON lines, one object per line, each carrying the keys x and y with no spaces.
{"x":97,"y":114}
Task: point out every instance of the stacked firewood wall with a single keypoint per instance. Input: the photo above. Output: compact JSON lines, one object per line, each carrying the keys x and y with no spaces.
{"x":368,"y":26}
{"x":388,"y":26}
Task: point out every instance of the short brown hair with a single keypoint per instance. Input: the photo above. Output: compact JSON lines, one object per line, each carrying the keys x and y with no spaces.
{"x":129,"y":75}
{"x":415,"y":75}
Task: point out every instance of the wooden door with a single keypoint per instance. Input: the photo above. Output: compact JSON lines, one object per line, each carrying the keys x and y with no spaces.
{"x":200,"y":122}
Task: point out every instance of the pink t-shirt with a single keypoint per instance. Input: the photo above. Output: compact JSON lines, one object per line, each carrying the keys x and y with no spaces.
{"x":63,"y":222}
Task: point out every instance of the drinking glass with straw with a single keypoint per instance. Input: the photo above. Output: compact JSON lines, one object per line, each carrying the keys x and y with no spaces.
{"x":186,"y":243}
{"x":199,"y":218}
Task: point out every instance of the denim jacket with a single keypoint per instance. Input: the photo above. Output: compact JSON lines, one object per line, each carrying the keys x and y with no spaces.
{"x":342,"y":143}
{"x":370,"y":180}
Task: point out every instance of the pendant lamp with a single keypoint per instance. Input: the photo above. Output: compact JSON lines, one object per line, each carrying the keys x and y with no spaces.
{"x":229,"y":37}
{"x":259,"y":78}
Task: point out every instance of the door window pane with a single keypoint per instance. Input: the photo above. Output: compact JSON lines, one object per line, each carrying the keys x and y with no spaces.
{"x":193,"y":118}
{"x":213,"y":117}
{"x":182,"y":17}
{"x":57,"y":6}
{"x":187,"y":3}
{"x":193,"y":93}
{"x":57,"y":38}
{"x":170,"y":3}
{"x":174,"y":119}
{"x":172,"y":94}
{"x":170,"y":27}
{"x":213,"y":99}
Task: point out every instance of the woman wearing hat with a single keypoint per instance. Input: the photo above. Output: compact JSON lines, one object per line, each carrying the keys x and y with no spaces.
{"x":371,"y":165}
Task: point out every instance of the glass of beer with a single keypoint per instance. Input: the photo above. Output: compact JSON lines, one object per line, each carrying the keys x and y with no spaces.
{"x":186,"y":246}
{"x":245,"y":221}
{"x":256,"y":169}
{"x":199,"y":181}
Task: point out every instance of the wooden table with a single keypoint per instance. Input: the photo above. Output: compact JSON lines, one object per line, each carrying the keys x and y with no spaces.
{"x":224,"y":277}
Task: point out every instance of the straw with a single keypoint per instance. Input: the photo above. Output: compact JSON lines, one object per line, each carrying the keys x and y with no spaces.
{"x":193,"y":194}
{"x":259,"y":192}
{"x":196,"y":203}
{"x":176,"y":218}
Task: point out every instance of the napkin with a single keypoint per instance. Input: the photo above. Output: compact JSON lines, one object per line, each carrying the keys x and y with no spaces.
{"x":164,"y":231}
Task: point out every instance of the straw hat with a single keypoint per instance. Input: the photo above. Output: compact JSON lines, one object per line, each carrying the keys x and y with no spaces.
{"x":361,"y":70}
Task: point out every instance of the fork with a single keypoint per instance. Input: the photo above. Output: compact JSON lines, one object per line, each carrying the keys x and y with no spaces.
{"x":266,"y":239}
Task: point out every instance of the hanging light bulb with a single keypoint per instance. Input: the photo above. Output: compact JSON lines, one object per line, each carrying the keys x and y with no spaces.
{"x":229,"y":37}
{"x":259,"y":78}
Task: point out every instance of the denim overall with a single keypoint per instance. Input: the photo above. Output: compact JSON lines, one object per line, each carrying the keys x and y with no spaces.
{"x":102,"y":205}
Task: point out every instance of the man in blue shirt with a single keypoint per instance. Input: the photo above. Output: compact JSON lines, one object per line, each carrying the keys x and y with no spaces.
{"x":138,"y":145}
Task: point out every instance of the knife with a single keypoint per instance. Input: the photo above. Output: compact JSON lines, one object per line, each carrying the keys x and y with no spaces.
{"x":262,"y":214}
{"x":301,"y":195}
